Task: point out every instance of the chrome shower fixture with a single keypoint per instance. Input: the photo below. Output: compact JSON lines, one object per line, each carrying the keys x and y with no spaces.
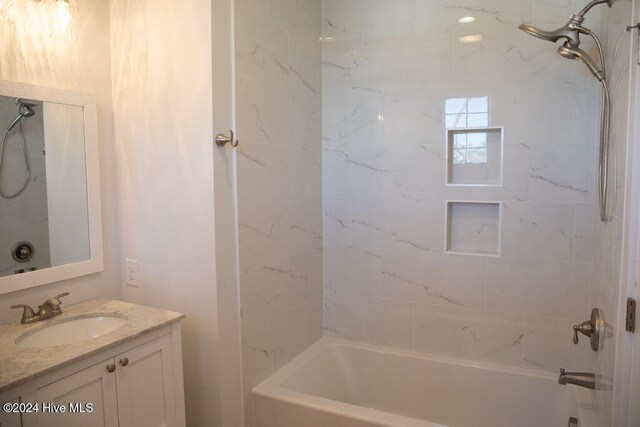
{"x":577,"y":53}
{"x":569,"y":31}
{"x":570,"y":49}
{"x":25,"y":110}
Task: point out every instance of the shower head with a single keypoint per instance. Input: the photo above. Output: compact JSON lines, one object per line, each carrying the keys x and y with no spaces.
{"x":570,"y":52}
{"x":570,"y":31}
{"x":25,"y":109}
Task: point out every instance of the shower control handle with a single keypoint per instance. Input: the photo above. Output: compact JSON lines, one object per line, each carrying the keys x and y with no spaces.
{"x":222,"y":139}
{"x":584,"y":328}
{"x":592,"y":328}
{"x":22,"y":252}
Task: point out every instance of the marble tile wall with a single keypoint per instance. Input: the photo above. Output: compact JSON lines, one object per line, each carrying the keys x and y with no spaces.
{"x":608,"y":237}
{"x":279,"y":95}
{"x":25,"y":217}
{"x":390,"y":68}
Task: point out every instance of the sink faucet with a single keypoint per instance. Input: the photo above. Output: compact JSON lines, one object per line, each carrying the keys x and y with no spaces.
{"x":50,"y":308}
{"x":582,"y":379}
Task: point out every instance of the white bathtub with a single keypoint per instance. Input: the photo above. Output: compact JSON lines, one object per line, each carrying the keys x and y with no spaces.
{"x":340,"y":383}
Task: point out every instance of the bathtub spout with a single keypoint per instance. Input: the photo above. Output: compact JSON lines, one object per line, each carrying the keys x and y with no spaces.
{"x":582,"y":379}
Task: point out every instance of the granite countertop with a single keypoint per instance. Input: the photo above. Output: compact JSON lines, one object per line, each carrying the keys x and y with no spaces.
{"x":19,"y":365}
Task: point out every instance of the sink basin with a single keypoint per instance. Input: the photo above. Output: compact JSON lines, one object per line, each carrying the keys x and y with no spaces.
{"x":70,"y":331}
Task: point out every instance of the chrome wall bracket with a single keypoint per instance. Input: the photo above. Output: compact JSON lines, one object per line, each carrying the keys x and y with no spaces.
{"x":636,"y":27}
{"x":222,"y":139}
{"x":630,"y":321}
{"x":593,"y":328}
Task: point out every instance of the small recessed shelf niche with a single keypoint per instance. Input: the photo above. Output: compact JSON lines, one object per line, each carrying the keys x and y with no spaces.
{"x":473,"y":228}
{"x":474,"y":156}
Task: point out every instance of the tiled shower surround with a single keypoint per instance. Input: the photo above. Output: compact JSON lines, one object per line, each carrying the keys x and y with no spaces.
{"x":608,"y":237}
{"x":358,"y":183}
{"x":396,"y":75}
{"x":278,"y":87}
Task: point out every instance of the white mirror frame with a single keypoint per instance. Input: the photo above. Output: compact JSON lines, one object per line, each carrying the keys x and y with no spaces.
{"x":92,"y":167}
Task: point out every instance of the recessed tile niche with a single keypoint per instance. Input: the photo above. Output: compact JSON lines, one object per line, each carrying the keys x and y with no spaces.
{"x":474,"y":156}
{"x":473,"y":228}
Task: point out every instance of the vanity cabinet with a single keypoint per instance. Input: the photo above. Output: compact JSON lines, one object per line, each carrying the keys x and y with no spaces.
{"x":135,"y":384}
{"x":8,"y":419}
{"x":95,"y":385}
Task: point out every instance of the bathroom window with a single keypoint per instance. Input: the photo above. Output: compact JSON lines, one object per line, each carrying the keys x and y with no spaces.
{"x":470,"y":148}
{"x":474,"y":156}
{"x":467,"y":112}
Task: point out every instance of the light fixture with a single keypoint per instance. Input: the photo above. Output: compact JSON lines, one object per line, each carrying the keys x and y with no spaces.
{"x":466,"y":19}
{"x":470,"y":39}
{"x":6,"y":11}
{"x":381,"y":117}
{"x":63,"y":25}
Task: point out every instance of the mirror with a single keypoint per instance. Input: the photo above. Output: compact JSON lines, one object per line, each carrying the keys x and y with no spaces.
{"x":50,"y":227}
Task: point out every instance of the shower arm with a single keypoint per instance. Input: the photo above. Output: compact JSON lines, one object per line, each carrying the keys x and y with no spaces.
{"x":588,"y":7}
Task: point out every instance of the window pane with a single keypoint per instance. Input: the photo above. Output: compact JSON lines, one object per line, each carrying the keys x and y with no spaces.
{"x":477,"y":140}
{"x":478,"y":105}
{"x":459,"y":157}
{"x":460,"y":141}
{"x":456,"y":106}
{"x":477,"y":155}
{"x":456,"y":121}
{"x":478,"y":120}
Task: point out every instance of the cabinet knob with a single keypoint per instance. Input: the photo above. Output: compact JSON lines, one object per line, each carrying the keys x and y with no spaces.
{"x":124,"y":362}
{"x":111,"y":367}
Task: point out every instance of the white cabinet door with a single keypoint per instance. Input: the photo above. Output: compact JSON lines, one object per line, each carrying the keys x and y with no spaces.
{"x":145,"y":385}
{"x":10,"y":419}
{"x":95,"y":385}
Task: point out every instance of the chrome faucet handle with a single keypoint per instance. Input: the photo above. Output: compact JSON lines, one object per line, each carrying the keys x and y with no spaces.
{"x":585,"y":328}
{"x":57,"y":297}
{"x":55,"y":301}
{"x":27,"y":314}
{"x":593,"y":328}
{"x":51,"y":307}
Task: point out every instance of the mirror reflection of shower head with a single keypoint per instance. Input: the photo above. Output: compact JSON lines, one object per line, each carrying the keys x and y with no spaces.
{"x":570,"y":52}
{"x":25,"y":109}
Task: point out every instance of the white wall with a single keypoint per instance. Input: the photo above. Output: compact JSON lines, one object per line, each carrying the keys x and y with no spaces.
{"x":28,"y":54}
{"x":162,"y":95}
{"x":278,"y":92}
